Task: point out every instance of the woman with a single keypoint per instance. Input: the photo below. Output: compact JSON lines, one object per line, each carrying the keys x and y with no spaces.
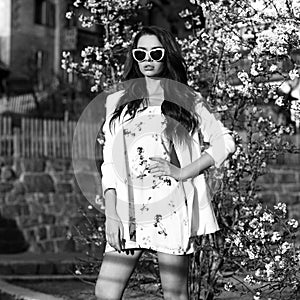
{"x":154,"y":189}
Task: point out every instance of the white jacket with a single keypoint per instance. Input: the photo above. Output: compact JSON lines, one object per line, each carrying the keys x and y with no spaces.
{"x":221,"y":144}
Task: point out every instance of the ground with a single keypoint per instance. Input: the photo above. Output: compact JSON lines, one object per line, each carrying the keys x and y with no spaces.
{"x":78,"y":290}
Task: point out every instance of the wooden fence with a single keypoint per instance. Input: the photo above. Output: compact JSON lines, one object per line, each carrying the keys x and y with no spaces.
{"x":48,"y":138}
{"x":21,"y":103}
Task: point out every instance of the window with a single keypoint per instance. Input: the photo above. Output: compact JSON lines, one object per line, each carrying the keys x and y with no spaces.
{"x":39,"y":59}
{"x":44,"y":13}
{"x":50,"y":17}
{"x":40,"y":12}
{"x":41,"y":68}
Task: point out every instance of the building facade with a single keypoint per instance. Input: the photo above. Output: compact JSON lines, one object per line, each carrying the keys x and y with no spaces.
{"x":33,"y":34}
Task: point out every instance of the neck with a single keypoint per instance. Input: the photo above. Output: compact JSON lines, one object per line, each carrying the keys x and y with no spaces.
{"x":155,"y":91}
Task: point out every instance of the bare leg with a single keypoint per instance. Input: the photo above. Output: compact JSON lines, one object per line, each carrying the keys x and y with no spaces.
{"x":114,"y":274}
{"x":174,"y":274}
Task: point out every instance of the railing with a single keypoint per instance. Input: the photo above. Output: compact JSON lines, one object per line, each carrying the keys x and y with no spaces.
{"x":48,"y":138}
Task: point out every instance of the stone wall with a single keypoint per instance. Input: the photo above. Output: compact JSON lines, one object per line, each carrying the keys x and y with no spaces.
{"x":43,"y":198}
{"x":282,"y":184}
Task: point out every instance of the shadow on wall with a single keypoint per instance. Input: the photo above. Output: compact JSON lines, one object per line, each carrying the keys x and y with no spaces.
{"x":11,"y":238}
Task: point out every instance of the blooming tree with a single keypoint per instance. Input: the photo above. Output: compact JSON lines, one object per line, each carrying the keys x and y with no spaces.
{"x":246,"y":54}
{"x":243,"y":53}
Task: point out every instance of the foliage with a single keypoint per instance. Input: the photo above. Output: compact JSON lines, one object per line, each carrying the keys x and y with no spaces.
{"x":238,"y":59}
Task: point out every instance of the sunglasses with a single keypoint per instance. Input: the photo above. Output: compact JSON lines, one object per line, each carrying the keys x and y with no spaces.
{"x":155,"y":54}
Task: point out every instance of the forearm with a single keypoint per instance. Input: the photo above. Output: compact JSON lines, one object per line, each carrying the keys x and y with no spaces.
{"x":196,"y":167}
{"x":110,"y":202}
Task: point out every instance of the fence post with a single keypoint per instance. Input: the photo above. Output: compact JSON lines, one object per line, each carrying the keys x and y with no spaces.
{"x":16,"y":142}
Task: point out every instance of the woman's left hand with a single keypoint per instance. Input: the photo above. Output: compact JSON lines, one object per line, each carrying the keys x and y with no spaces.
{"x":163,"y":167}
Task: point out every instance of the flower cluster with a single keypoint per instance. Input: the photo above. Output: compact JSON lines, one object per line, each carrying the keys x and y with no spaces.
{"x":262,"y":242}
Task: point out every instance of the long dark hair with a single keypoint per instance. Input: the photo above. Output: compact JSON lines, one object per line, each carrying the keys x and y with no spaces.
{"x":179,"y":103}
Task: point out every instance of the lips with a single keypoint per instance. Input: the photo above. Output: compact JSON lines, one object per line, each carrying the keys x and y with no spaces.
{"x":148,"y":68}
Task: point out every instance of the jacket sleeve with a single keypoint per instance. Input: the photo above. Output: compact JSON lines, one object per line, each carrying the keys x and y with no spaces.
{"x":221,"y":142}
{"x":107,"y":168}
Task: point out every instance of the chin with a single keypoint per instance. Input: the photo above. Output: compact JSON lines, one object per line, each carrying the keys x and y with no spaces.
{"x":150,"y":74}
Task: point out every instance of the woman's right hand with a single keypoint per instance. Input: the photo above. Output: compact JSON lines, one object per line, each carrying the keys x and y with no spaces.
{"x":115,"y":232}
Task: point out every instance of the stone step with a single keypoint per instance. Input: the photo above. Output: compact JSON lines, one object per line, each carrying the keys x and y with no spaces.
{"x":7,"y":289}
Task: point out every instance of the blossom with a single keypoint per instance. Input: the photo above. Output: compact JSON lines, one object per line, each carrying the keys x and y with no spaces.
{"x":267,"y":217}
{"x":275,"y":237}
{"x":69,"y":14}
{"x":243,"y":76}
{"x":254,"y":223}
{"x":281,"y":264}
{"x":269,"y":270}
{"x":258,"y":209}
{"x":249,"y":279}
{"x":277,"y":257}
{"x":273,"y":68}
{"x":250,"y":254}
{"x":243,"y":262}
{"x":293,"y":74}
{"x":253,"y":71}
{"x":296,"y":8}
{"x":237,"y":56}
{"x":285,"y":247}
{"x":279,"y":101}
{"x":94,"y":88}
{"x":281,"y":207}
{"x":66,"y":54}
{"x":228,"y":286}
{"x":76,"y":3}
{"x":258,"y":273}
{"x":293,"y":223}
{"x":237,"y":241}
{"x":257,"y":296}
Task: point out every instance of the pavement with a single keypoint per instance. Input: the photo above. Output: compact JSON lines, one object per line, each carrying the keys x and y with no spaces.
{"x":32,"y":266}
{"x":56,"y":266}
{"x":22,"y":293}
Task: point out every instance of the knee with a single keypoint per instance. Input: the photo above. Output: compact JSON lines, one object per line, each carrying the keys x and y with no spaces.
{"x":168,"y":295}
{"x":98,"y":292}
{"x":103,"y":293}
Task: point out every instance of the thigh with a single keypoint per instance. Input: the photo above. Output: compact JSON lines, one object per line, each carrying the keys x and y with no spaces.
{"x":174,"y":275}
{"x":114,"y":274}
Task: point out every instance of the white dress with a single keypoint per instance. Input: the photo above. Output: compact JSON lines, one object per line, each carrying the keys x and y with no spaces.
{"x":159,"y":213}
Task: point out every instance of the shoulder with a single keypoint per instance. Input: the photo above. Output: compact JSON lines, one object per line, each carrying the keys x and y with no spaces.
{"x":112,"y":100}
{"x":201,"y":105}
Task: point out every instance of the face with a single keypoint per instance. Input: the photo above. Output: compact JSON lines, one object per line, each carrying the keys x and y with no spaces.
{"x":150,"y":67}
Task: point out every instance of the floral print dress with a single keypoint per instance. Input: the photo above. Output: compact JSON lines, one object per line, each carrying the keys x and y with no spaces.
{"x":157,"y":213}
